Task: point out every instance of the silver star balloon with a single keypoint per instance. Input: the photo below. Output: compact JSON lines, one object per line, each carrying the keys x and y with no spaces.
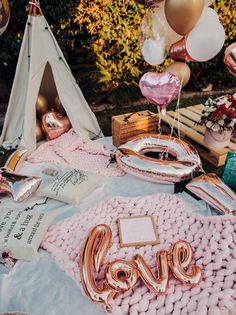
{"x":18,"y":186}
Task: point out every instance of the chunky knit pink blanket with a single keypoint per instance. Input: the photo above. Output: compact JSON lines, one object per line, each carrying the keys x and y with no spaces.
{"x":212,"y":238}
{"x":71,"y":150}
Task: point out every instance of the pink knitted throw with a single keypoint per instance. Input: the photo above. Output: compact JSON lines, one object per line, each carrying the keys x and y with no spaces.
{"x":71,"y":150}
{"x":212,"y":238}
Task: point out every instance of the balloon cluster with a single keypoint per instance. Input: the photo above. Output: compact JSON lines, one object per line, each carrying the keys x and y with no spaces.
{"x":122,"y":275}
{"x":184,"y":30}
{"x":51,"y":122}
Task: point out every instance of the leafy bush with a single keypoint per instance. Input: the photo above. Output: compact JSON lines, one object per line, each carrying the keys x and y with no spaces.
{"x":100,"y":41}
{"x":113,"y":29}
{"x":60,"y":17}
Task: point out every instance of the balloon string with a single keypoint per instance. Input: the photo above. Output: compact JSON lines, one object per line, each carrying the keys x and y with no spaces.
{"x":159,"y":121}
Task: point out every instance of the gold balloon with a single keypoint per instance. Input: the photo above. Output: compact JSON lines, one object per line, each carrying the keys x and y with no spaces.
{"x":38,"y":131}
{"x":4,"y":15}
{"x":42,"y":106}
{"x":182,"y":15}
{"x":181,"y":70}
{"x":181,"y":256}
{"x":58,"y":106}
{"x":160,"y":284}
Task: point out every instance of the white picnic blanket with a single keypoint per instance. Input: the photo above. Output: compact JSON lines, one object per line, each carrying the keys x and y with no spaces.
{"x":41,"y":287}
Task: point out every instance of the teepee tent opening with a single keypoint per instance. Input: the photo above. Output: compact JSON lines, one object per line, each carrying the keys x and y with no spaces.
{"x":42,"y":69}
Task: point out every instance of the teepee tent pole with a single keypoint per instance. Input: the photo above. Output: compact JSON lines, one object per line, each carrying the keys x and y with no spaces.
{"x":34,"y":8}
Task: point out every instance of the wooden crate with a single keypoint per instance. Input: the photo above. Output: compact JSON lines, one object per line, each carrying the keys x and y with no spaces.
{"x":188,"y":117}
{"x":129,"y":125}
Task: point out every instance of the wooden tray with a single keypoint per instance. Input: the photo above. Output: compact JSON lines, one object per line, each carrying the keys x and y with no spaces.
{"x":188,"y":117}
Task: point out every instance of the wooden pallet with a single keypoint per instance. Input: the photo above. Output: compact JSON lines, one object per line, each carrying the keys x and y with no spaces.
{"x":188,"y":117}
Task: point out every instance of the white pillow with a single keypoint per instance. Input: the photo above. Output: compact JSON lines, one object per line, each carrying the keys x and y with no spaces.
{"x":21,"y":232}
{"x":69,"y":185}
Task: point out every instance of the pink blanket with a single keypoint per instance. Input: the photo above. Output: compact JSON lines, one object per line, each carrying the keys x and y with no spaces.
{"x":71,"y":150}
{"x":213,"y":240}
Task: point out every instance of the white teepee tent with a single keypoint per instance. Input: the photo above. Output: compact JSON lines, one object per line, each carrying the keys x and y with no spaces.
{"x":42,"y":66}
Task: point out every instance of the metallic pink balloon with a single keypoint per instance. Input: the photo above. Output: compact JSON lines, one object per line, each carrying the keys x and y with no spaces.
{"x":159,"y":88}
{"x":54,"y":125}
{"x":20,"y":187}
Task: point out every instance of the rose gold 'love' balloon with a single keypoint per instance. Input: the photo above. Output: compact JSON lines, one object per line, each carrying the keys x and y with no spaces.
{"x":181,"y":256}
{"x":122,"y":275}
{"x":160,"y":284}
{"x":92,"y":256}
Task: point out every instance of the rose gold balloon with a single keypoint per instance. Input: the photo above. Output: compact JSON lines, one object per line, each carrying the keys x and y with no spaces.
{"x":38,"y":131}
{"x":159,"y":284}
{"x":58,"y":106}
{"x":93,"y":253}
{"x":20,"y":187}
{"x":121,"y":275}
{"x":178,"y":51}
{"x":182,"y":15}
{"x":180,"y":257}
{"x":4,"y":15}
{"x":42,"y":106}
{"x":230,"y":59}
{"x":181,"y":70}
{"x":54,"y":125}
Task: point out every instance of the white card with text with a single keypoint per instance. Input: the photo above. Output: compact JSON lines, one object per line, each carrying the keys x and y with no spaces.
{"x":137,"y":231}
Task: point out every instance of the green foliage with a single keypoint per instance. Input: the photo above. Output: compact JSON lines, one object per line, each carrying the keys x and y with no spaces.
{"x":113,"y":28}
{"x":60,"y":17}
{"x":100,"y":41}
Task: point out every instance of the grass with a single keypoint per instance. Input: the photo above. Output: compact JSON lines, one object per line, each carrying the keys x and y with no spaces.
{"x":104,"y":117}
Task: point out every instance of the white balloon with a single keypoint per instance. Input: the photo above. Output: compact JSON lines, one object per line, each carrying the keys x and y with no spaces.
{"x":208,"y":14}
{"x":153,"y":51}
{"x":206,"y":40}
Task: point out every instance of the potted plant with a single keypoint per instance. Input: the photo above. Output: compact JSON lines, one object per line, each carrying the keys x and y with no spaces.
{"x":219,"y":117}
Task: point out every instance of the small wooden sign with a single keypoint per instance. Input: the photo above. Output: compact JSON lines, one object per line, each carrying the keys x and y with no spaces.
{"x":137,"y":231}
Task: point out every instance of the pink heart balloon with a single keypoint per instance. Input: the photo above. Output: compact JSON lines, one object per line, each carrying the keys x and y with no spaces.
{"x":159,"y":88}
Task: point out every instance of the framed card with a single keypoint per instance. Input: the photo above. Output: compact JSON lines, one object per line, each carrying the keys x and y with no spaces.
{"x":137,"y":231}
